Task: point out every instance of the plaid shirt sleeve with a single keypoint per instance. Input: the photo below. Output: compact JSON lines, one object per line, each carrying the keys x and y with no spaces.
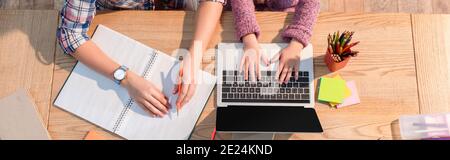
{"x":76,"y":17}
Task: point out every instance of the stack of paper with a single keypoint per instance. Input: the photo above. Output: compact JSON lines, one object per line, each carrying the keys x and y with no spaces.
{"x":337,"y":92}
{"x":20,"y":119}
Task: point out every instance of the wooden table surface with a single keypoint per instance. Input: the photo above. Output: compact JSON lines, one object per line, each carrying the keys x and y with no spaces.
{"x":27,"y":50}
{"x":403,"y":67}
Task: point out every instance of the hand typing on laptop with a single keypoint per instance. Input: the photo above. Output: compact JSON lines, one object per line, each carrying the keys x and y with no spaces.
{"x":250,"y":62}
{"x":289,"y":60}
{"x":235,"y":90}
{"x":269,"y":102}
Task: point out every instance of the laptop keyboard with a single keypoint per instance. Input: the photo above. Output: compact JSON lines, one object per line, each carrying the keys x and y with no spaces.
{"x":266,"y":90}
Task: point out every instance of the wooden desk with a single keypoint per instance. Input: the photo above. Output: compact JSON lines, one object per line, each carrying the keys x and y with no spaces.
{"x":27,"y":49}
{"x":385,"y":71}
{"x":393,"y":74}
{"x":432,"y":50}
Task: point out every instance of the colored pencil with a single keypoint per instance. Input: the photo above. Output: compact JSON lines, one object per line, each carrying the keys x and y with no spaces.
{"x":339,"y":45}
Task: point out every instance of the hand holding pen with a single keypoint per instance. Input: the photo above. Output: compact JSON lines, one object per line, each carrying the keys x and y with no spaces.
{"x":185,"y":87}
{"x":177,"y":88}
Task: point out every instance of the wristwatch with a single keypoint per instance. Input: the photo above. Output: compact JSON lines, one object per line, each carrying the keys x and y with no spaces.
{"x":120,"y":74}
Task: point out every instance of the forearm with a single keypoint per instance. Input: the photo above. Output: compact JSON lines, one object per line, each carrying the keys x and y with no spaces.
{"x":244,"y":18}
{"x":207,"y":18}
{"x":90,"y":55}
{"x":302,"y":24}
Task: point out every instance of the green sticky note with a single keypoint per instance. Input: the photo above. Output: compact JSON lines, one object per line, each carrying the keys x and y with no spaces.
{"x":332,"y":90}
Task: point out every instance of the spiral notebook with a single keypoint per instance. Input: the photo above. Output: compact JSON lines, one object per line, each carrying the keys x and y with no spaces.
{"x":99,"y":100}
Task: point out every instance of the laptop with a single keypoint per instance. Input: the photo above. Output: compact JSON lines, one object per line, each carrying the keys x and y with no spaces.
{"x":264,"y":105}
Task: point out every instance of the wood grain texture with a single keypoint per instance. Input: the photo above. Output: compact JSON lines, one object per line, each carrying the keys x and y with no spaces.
{"x":323,"y":5}
{"x":27,"y":48}
{"x":441,"y":6}
{"x":26,"y":4}
{"x":424,"y":6}
{"x":336,"y":6}
{"x":387,"y":89}
{"x":43,"y":4}
{"x":58,"y":4}
{"x":415,"y":6}
{"x":354,"y":5}
{"x":9,"y":4}
{"x":432,"y":50}
{"x":408,"y":6}
{"x":381,"y":6}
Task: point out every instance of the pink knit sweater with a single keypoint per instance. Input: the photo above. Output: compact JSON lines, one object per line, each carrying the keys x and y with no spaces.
{"x":300,"y":29}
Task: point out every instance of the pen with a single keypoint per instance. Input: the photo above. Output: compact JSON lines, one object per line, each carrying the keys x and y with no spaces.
{"x":213,"y":134}
{"x":352,"y":53}
{"x":350,"y":36}
{"x":329,"y":39}
{"x":437,"y":138}
{"x":337,"y":48}
{"x":341,"y":38}
{"x":331,"y":48}
{"x":431,"y":130}
{"x":337,"y":37}
{"x":430,"y":124}
{"x":339,"y":45}
{"x":180,"y":79}
{"x":350,"y":46}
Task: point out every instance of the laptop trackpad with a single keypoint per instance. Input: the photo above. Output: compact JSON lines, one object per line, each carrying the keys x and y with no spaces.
{"x":267,"y":119}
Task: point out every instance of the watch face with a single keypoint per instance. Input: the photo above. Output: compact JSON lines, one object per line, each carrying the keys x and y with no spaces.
{"x":119,"y":74}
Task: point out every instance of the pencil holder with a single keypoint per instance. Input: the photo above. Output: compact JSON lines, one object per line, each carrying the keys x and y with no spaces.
{"x":332,"y":65}
{"x":339,"y":50}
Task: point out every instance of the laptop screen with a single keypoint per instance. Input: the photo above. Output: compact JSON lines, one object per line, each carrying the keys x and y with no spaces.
{"x":267,"y":119}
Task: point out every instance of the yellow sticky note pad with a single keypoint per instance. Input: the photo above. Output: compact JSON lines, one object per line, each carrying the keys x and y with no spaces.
{"x":331,"y":90}
{"x":347,"y":92}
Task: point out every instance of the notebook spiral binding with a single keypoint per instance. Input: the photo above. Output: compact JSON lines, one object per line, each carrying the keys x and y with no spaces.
{"x":130,"y":101}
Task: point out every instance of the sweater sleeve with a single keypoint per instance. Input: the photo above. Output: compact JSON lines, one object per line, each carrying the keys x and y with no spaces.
{"x":244,"y":18}
{"x":305,"y":17}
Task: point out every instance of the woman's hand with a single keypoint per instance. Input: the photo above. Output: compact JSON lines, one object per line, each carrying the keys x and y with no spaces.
{"x":207,"y":17}
{"x":289,"y":60}
{"x":250,"y":61}
{"x":146,"y":94}
{"x":189,"y":70}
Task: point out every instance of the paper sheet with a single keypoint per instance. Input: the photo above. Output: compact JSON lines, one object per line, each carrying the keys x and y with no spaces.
{"x":353,"y":98}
